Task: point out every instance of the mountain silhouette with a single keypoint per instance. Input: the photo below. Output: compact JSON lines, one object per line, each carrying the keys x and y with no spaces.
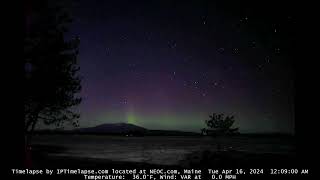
{"x":114,"y":128}
{"x":118,"y":129}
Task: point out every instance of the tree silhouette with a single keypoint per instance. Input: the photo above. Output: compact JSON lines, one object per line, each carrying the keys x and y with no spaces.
{"x":219,"y":124}
{"x":51,"y":81}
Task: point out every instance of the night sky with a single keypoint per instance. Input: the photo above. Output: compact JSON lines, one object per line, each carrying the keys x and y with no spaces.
{"x":169,"y":64}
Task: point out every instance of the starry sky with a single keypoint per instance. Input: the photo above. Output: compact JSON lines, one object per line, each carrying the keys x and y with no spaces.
{"x":169,"y":64}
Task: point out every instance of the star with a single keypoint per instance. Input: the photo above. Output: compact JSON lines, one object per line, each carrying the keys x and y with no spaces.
{"x":235,"y":50}
{"x":253,"y":43}
{"x":204,"y":20}
{"x":123,"y":38}
{"x":215,"y":83}
{"x":221,"y":50}
{"x":267,"y":59}
{"x":185,"y":84}
{"x":124,"y":102}
{"x":107,"y":50}
{"x":204,"y":75}
{"x":172,"y":44}
{"x":132,"y":65}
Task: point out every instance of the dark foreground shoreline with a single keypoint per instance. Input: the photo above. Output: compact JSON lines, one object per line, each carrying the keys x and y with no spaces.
{"x":201,"y":159}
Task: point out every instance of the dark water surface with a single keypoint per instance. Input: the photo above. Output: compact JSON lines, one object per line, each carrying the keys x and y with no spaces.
{"x":165,"y":150}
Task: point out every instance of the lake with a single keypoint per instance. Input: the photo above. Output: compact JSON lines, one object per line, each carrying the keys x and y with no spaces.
{"x":164,"y":150}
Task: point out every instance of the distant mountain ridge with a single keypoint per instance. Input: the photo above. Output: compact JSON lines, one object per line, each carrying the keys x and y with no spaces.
{"x":119,"y":129}
{"x":114,"y":128}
